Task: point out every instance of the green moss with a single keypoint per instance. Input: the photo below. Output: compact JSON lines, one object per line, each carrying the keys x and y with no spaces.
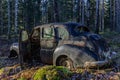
{"x":22,"y":79}
{"x":1,"y":71}
{"x":52,"y":73}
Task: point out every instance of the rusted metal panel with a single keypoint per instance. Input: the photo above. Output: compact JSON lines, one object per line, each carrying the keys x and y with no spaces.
{"x":84,"y":44}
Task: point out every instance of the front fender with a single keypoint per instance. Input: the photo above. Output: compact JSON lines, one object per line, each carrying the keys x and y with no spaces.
{"x":15,"y":48}
{"x":78,"y":55}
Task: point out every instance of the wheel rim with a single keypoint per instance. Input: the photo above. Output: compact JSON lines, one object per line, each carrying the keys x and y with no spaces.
{"x":66,"y":63}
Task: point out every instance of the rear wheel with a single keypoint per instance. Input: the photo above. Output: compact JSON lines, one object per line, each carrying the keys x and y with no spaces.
{"x":66,"y":62}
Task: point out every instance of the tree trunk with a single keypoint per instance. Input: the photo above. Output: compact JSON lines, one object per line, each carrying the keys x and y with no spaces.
{"x":83,"y":12}
{"x":97,"y":17}
{"x":8,"y":9}
{"x":1,"y":18}
{"x":56,"y":11}
{"x":88,"y":13}
{"x":78,"y":10}
{"x":44,"y":12}
{"x":102,"y":16}
{"x":16,"y":16}
{"x":23,"y":14}
{"x":111,"y":27}
{"x":37,"y":13}
{"x":118,"y":15}
{"x":114,"y":14}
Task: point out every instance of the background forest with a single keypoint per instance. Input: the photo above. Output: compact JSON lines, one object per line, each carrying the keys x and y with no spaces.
{"x":101,"y":16}
{"x":98,"y":15}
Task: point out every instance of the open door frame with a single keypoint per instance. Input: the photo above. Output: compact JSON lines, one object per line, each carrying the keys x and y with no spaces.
{"x":23,"y":46}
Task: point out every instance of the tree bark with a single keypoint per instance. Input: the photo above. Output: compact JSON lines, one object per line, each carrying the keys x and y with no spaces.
{"x":114,"y":14}
{"x":16,"y":16}
{"x":111,"y":21}
{"x":102,"y":15}
{"x":118,"y":15}
{"x":56,"y":11}
{"x":78,"y":10}
{"x":8,"y":9}
{"x":1,"y":18}
{"x":83,"y":11}
{"x":97,"y":17}
{"x":88,"y":13}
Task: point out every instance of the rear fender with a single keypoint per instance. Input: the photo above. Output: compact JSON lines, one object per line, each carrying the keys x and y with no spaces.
{"x":75,"y":53}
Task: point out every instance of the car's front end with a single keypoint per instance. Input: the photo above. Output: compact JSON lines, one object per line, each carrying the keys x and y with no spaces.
{"x":14,"y":50}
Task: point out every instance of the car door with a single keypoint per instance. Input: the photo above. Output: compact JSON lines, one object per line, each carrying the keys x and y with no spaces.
{"x":48,"y":44}
{"x":24,"y":47}
{"x":35,"y":44}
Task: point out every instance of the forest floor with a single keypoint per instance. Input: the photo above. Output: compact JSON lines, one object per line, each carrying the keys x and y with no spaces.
{"x":11,"y":70}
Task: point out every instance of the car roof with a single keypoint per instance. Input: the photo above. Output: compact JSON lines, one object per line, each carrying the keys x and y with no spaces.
{"x":67,"y":24}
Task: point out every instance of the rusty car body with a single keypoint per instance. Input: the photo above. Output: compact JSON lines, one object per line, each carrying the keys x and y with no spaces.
{"x":63,"y":44}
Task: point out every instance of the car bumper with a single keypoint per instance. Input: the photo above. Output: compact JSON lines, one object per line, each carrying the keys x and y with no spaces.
{"x":110,"y":59}
{"x":96,"y":64}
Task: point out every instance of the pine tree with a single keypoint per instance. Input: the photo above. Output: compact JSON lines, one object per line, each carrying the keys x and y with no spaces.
{"x":8,"y":9}
{"x":97,"y":17}
{"x":1,"y":17}
{"x":16,"y":16}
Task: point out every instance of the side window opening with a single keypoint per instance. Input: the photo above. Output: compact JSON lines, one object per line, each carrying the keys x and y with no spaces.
{"x":48,"y":33}
{"x":24,"y":36}
{"x":63,"y":33}
{"x":82,"y":29}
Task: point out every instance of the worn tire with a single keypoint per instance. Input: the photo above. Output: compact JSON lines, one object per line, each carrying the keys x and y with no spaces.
{"x":66,"y":62}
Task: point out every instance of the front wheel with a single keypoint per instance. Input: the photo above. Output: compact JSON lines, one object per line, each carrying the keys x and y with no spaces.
{"x":66,"y":62}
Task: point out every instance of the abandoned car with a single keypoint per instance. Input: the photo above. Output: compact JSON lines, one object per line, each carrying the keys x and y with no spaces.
{"x":63,"y":44}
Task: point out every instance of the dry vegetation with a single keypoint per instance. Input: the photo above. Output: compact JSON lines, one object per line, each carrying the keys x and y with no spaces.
{"x":57,"y":73}
{"x":14,"y":72}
